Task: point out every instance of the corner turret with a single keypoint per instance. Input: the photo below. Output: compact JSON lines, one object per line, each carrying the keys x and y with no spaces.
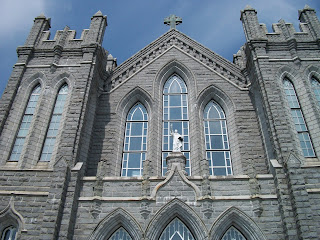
{"x":97,"y":28}
{"x":41,"y":23}
{"x":308,"y":15}
{"x":252,"y":28}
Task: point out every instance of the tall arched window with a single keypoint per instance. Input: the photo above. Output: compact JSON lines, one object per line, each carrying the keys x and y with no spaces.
{"x":25,"y":124}
{"x":54,"y":125}
{"x":316,"y":88}
{"x":120,"y":234}
{"x":176,"y":230}
{"x":135,"y":142}
{"x":175,"y":117}
{"x":298,"y":119}
{"x":233,"y":234}
{"x":9,"y":233}
{"x":216,"y":140}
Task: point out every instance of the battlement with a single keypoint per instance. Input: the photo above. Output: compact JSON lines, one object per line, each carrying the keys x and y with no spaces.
{"x":68,"y":37}
{"x":282,"y":31}
{"x":39,"y":36}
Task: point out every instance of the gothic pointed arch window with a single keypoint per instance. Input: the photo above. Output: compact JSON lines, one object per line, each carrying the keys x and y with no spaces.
{"x":135,"y":142}
{"x":176,"y":230}
{"x":9,"y":233}
{"x":54,"y":125}
{"x":120,"y":234}
{"x":25,"y":124}
{"x":298,"y":119}
{"x":233,"y":234}
{"x":316,"y":88}
{"x":175,"y":117}
{"x":216,"y":140}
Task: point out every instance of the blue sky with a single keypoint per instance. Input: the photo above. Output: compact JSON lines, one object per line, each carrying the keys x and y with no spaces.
{"x":132,"y":24}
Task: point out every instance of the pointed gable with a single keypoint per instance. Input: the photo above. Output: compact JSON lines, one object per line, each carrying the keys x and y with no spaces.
{"x":175,"y":39}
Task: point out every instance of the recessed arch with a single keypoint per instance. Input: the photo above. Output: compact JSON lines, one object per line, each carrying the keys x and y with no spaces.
{"x":213,"y":92}
{"x":116,"y":219}
{"x":137,"y":94}
{"x":11,"y":217}
{"x":238,"y":219}
{"x":174,"y":67}
{"x":176,"y":209}
{"x":61,"y":79}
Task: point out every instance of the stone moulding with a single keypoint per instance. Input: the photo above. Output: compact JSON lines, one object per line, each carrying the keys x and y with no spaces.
{"x":10,"y":214}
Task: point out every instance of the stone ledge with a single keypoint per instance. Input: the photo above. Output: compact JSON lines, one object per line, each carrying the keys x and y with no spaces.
{"x":31,"y":193}
{"x":313,"y":190}
{"x":26,"y":170}
{"x":213,"y":198}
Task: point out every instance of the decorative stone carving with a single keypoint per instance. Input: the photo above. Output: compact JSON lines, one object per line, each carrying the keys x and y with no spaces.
{"x":176,"y":159}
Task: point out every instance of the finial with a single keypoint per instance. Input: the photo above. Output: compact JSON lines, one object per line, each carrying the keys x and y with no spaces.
{"x":307,"y":7}
{"x":98,"y":14}
{"x":41,"y":16}
{"x":173,"y":21}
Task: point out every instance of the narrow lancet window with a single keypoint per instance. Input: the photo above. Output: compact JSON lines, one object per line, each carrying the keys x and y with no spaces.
{"x":54,"y":124}
{"x":316,"y":88}
{"x":25,"y":124}
{"x":120,"y":234}
{"x":216,"y":140}
{"x":298,"y":119}
{"x":233,"y":234}
{"x":176,"y":230}
{"x":175,"y":117}
{"x":135,"y":142}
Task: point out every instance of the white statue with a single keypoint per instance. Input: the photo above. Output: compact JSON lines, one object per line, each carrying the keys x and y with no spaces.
{"x":177,"y":140}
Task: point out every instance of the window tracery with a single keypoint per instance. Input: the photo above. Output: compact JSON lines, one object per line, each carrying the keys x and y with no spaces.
{"x":175,"y":117}
{"x":233,"y":234}
{"x":316,"y":88}
{"x":25,"y":124}
{"x":216,"y":140}
{"x":54,"y":124}
{"x":135,"y":143}
{"x":120,"y":234}
{"x":176,"y":230}
{"x":298,"y":119}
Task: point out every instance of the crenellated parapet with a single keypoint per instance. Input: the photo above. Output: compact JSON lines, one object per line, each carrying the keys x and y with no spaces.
{"x":282,"y":31}
{"x":39,"y":36}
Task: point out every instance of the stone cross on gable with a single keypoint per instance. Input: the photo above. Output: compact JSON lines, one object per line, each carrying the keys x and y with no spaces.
{"x":173,"y":21}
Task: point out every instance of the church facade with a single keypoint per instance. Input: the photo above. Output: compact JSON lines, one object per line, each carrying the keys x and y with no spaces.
{"x":174,"y":143}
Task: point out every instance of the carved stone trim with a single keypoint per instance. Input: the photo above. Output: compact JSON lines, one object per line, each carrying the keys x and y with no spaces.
{"x":235,"y":217}
{"x":173,"y":209}
{"x":116,"y":219}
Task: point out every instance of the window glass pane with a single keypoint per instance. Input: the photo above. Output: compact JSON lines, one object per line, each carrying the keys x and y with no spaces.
{"x":175,"y":117}
{"x":54,"y":124}
{"x":316,"y":88}
{"x":233,"y":234}
{"x":176,"y":230}
{"x":216,"y":140}
{"x":298,"y":119}
{"x":9,"y":233}
{"x":120,"y":234}
{"x":25,"y":124}
{"x":135,"y":144}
